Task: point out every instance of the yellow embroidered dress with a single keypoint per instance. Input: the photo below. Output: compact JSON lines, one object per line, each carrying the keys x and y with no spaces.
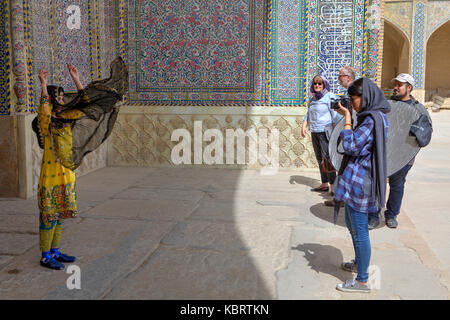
{"x":57,"y":197}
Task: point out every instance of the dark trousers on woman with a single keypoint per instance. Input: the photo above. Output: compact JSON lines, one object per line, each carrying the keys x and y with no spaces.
{"x":320,"y":145}
{"x":396,"y":191}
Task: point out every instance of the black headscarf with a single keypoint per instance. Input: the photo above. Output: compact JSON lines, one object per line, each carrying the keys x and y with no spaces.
{"x":53,"y":92}
{"x":373,"y":104}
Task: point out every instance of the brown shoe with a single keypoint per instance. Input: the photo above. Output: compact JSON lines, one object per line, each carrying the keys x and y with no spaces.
{"x":330,"y":203}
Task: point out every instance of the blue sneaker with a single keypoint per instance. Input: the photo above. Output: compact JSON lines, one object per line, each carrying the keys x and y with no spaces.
{"x":62,"y":257}
{"x":52,"y":264}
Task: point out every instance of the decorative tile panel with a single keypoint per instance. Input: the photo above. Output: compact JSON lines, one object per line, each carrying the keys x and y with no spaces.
{"x":374,"y":27}
{"x":400,"y":14}
{"x":51,"y":43}
{"x":188,"y":53}
{"x":194,"y":52}
{"x":438,"y":13}
{"x":418,"y":44}
{"x":288,"y":52}
{"x":336,"y":32}
{"x":5,"y":94}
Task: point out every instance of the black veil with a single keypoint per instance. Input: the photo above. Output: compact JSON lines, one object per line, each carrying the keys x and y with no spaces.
{"x":87,"y":118}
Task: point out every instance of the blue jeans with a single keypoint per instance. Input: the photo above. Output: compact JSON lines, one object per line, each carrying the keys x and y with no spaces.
{"x":357,"y":224}
{"x":396,"y":191}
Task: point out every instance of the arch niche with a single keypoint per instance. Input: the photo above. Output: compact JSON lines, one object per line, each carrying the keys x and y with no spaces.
{"x":437,"y":72}
{"x":395,"y":54}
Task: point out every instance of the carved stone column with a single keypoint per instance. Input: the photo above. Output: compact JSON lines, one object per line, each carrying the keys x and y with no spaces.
{"x":19,"y":57}
{"x":418,"y":52}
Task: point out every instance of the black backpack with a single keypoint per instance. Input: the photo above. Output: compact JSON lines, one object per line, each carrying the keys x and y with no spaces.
{"x":422,"y":130}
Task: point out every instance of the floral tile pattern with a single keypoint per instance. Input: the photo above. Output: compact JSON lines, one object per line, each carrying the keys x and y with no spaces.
{"x":4,"y":61}
{"x":190,"y":52}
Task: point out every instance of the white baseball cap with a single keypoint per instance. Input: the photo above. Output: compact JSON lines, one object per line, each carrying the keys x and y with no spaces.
{"x":404,"y":77}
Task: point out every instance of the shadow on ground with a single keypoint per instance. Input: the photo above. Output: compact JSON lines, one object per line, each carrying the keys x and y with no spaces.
{"x":153,"y":233}
{"x":327,"y":213}
{"x":323,"y":259}
{"x":307,"y":181}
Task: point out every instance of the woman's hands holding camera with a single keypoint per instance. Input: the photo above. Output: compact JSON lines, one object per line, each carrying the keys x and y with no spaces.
{"x":342,"y":110}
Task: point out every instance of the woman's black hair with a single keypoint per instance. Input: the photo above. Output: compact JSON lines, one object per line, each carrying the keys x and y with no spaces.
{"x":51,"y":92}
{"x":356,"y":88}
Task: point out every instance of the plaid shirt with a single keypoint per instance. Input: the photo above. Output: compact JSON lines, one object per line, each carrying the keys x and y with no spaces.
{"x":355,"y":184}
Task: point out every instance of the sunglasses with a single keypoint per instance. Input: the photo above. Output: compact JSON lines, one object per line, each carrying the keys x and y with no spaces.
{"x":318,"y":83}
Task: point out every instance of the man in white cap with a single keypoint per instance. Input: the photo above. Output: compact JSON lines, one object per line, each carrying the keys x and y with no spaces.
{"x":404,"y":84}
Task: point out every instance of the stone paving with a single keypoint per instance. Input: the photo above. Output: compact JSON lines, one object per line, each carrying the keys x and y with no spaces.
{"x":203,"y":233}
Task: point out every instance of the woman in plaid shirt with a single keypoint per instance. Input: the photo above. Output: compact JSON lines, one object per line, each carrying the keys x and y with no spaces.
{"x":362,"y":176}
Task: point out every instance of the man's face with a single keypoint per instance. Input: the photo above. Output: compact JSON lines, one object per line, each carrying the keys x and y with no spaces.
{"x":402,"y":90}
{"x":344,"y":80}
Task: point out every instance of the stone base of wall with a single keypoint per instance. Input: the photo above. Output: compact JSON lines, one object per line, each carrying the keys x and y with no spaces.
{"x":142,"y":135}
{"x":9,"y":179}
{"x":419,"y":94}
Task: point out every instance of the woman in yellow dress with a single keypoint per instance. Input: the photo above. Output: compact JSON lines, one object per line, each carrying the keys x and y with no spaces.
{"x":57,"y":198}
{"x":67,"y":132}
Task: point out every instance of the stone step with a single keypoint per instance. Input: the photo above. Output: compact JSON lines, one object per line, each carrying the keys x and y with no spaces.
{"x":440,"y":103}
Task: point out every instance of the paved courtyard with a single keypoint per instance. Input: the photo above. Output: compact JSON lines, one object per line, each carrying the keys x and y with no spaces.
{"x":200,"y":233}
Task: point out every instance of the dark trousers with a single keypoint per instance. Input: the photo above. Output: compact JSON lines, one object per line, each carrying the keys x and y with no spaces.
{"x":396,"y":191}
{"x":320,"y":145}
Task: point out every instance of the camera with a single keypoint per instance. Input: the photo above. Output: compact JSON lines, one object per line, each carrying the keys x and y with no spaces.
{"x":344,"y":100}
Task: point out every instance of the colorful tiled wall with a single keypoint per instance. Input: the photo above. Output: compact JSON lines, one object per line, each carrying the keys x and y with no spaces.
{"x":195,"y":52}
{"x":245,"y":52}
{"x":5,"y":94}
{"x":43,"y":36}
{"x":198,"y":53}
{"x":54,"y":43}
{"x":418,"y":45}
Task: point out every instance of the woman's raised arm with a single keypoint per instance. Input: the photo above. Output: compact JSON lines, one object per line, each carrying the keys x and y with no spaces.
{"x":74,"y":74}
